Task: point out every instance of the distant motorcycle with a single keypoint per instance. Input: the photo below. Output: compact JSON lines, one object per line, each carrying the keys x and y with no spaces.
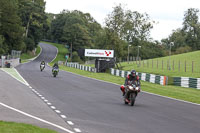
{"x":55,"y":72}
{"x":131,"y":90}
{"x":42,"y":66}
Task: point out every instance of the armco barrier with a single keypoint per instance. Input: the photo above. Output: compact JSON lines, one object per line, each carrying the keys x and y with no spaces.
{"x":187,"y":82}
{"x":81,"y":67}
{"x":157,"y":79}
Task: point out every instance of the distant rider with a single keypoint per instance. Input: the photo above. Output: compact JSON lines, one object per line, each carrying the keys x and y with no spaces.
{"x":131,"y":78}
{"x":55,"y":66}
{"x":42,"y":63}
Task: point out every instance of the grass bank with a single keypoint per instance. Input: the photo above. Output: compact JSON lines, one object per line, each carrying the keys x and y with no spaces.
{"x":62,"y":51}
{"x":187,"y":94}
{"x":181,"y":65}
{"x":11,"y":127}
{"x":25,"y":57}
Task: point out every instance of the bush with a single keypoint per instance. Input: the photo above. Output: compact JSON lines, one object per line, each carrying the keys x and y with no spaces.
{"x":184,"y":49}
{"x":30,"y":44}
{"x":76,"y":58}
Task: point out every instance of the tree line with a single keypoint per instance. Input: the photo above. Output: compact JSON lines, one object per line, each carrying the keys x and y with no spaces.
{"x":186,"y":38}
{"x":23,"y":23}
{"x":122,"y":28}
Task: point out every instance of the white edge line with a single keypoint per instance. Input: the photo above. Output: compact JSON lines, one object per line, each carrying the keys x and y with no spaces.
{"x":26,"y":83}
{"x":142,"y":91}
{"x":32,"y":59}
{"x":56,"y":53}
{"x":172,"y":98}
{"x":37,"y":118}
{"x":15,"y":77}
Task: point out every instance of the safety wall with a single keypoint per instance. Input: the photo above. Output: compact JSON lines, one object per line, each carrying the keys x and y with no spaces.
{"x":187,"y":82}
{"x":81,"y":67}
{"x":157,"y":79}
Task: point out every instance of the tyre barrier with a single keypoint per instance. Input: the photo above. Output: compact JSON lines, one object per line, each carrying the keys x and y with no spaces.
{"x":81,"y":67}
{"x":157,"y":79}
{"x":187,"y":82}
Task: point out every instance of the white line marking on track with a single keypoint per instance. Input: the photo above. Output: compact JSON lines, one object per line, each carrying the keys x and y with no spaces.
{"x":45,"y":100}
{"x":37,"y":118}
{"x":26,"y":83}
{"x":14,"y":76}
{"x":49,"y":103}
{"x":57,"y":111}
{"x":30,"y":87}
{"x":53,"y":107}
{"x":63,"y":116}
{"x":70,"y":123}
{"x":77,"y":130}
{"x":171,"y":98}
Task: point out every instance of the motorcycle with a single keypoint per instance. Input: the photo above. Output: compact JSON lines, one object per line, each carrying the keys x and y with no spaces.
{"x":55,"y":72}
{"x":130,"y":91}
{"x":42,"y":66}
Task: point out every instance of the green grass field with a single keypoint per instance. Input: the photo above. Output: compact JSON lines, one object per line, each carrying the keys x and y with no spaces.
{"x":160,"y":65}
{"x":11,"y":127}
{"x":187,"y":94}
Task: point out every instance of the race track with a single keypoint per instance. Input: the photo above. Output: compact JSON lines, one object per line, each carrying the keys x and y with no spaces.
{"x":97,"y":107}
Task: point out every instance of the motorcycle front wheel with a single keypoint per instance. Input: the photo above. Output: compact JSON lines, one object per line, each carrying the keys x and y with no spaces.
{"x":132,"y":99}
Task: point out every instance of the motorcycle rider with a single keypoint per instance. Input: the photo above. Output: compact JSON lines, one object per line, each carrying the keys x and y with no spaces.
{"x":55,"y":66}
{"x":132,"y":77}
{"x":42,"y":63}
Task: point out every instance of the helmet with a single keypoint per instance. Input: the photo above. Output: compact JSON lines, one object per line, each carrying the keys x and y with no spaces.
{"x":133,"y":73}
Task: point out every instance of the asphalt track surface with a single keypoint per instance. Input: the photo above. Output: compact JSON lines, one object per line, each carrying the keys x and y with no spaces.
{"x":97,"y":107}
{"x":20,"y":97}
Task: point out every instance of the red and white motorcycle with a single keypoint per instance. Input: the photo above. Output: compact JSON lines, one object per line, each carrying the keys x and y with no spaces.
{"x":130,"y":92}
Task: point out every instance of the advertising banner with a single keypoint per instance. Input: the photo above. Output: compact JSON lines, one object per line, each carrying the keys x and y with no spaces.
{"x":99,"y":53}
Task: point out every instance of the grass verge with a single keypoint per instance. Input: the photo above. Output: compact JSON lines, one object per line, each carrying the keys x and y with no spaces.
{"x":25,"y":57}
{"x":12,"y":127}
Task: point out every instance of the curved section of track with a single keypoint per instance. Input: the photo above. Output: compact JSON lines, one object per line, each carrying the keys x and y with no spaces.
{"x":97,"y":107}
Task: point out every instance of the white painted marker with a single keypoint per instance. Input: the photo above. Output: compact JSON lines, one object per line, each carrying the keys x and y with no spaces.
{"x":37,"y":118}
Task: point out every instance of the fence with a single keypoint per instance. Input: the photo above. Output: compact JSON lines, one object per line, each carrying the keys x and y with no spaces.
{"x":187,"y":82}
{"x":157,"y":79}
{"x":166,"y":64}
{"x":81,"y":67}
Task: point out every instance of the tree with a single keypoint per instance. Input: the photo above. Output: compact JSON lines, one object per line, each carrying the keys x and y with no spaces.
{"x":187,"y":37}
{"x":130,"y":26}
{"x":11,"y":28}
{"x":76,"y":28}
{"x":33,"y":17}
{"x":127,"y":27}
{"x":191,"y":27}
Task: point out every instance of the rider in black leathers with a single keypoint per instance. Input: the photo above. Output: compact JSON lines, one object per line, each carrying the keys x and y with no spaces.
{"x":55,"y":66}
{"x":131,"y":78}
